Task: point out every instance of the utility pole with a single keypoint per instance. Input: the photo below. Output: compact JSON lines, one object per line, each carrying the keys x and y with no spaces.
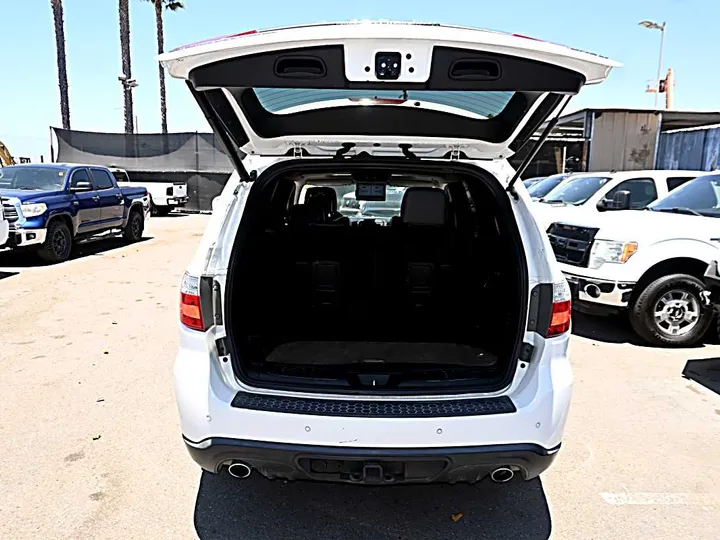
{"x":655,"y":26}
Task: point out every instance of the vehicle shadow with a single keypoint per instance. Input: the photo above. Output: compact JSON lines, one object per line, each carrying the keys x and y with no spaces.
{"x":28,"y":259}
{"x":610,"y":329}
{"x":4,"y":275}
{"x":171,"y":215}
{"x":617,"y":329}
{"x":704,"y":371}
{"x":258,"y":508}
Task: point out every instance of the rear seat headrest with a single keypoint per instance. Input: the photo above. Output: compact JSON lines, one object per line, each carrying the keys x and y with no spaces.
{"x":322,"y":195}
{"x":304,"y":214}
{"x":424,"y":206}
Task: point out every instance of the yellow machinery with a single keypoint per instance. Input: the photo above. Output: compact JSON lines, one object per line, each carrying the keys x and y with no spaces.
{"x":5,"y":156}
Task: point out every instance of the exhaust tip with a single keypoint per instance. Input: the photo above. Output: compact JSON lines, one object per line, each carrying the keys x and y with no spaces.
{"x":238,"y":469}
{"x":592,"y":290}
{"x":502,"y":475}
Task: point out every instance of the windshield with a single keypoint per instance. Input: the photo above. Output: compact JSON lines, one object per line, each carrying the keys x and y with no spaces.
{"x":577,"y":190}
{"x":32,"y":178}
{"x":483,"y":103}
{"x":543,"y":187}
{"x":531,"y":181}
{"x":700,"y":196}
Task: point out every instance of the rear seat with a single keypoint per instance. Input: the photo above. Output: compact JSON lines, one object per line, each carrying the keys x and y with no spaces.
{"x":383,"y":277}
{"x":315,"y":242}
{"x":427,"y":242}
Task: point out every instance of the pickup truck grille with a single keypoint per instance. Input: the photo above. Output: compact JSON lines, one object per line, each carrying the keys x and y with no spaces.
{"x":571,"y":244}
{"x":10,"y":211}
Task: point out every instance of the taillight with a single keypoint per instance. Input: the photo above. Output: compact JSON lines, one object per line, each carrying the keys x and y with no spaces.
{"x":561,"y":313}
{"x":190,"y":308}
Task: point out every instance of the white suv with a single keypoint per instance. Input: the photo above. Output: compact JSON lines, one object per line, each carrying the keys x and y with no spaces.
{"x":428,"y":346}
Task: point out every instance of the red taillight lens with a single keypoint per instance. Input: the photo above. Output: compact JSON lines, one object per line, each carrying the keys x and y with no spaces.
{"x":560,"y":318}
{"x":190,"y":310}
{"x":561,"y":313}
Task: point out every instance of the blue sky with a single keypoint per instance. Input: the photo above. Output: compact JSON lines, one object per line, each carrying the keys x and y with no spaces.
{"x":29,"y":101}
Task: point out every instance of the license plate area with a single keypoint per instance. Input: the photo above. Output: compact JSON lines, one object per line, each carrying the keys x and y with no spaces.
{"x":372,"y":471}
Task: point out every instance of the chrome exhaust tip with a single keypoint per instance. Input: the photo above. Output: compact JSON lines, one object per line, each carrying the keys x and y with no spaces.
{"x":502,"y":475}
{"x":238,"y":469}
{"x":592,"y":290}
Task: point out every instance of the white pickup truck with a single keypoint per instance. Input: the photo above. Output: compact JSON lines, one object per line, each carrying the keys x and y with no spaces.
{"x":588,"y":194}
{"x":648,"y":263}
{"x":164,"y":196}
{"x":4,"y":228}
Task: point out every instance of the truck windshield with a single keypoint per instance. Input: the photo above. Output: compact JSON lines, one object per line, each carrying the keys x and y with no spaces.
{"x":576,"y":191}
{"x":32,"y":178}
{"x":545,"y":186}
{"x":697,"y":197}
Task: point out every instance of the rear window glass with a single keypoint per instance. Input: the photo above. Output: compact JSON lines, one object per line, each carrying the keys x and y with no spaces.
{"x":471,"y":103}
{"x":348,"y":205}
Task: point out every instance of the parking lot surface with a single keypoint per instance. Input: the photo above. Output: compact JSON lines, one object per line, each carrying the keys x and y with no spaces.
{"x":91,"y":446}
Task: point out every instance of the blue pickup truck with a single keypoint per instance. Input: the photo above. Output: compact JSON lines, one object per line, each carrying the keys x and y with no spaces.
{"x":51,"y":206}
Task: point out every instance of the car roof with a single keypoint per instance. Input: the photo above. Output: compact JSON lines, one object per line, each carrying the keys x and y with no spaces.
{"x":59,"y":166}
{"x":636,"y":174}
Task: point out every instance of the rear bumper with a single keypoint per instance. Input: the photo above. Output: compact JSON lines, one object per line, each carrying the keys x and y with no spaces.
{"x":371,"y":466}
{"x":177,"y":201}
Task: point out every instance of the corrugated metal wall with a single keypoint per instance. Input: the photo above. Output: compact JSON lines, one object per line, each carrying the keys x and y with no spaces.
{"x":623,"y":141}
{"x":693,"y":150}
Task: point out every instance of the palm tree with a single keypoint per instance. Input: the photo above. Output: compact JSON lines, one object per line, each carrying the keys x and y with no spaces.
{"x":124,"y":12}
{"x":57,"y":8}
{"x":172,"y":5}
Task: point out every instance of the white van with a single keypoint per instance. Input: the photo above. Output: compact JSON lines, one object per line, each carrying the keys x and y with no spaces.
{"x":428,"y":347}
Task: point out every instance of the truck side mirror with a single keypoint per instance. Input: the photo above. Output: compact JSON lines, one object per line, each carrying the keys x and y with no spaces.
{"x":621,"y":200}
{"x":79,"y":187}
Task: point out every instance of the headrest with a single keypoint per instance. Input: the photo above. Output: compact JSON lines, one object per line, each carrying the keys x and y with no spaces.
{"x":322,"y":195}
{"x":424,"y":206}
{"x":304,"y":214}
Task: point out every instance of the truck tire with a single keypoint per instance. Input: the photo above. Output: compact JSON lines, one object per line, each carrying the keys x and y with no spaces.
{"x":135,"y":226}
{"x":670,"y":311}
{"x":58,"y":243}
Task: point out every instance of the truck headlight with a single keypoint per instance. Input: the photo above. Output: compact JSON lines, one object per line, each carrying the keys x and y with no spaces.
{"x":33,"y":210}
{"x":611,"y":251}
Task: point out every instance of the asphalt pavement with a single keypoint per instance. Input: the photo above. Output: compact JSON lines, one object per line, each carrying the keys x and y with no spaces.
{"x":91,"y":444}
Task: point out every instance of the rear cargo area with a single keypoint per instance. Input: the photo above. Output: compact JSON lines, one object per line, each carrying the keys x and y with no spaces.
{"x":427,"y":296}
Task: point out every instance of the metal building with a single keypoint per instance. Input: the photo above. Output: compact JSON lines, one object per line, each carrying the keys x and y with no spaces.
{"x":623,"y":139}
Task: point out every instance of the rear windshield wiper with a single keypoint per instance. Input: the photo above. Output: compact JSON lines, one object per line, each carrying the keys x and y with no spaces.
{"x":679,"y":210}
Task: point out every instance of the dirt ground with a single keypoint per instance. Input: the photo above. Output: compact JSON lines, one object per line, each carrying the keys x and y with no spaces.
{"x":91,"y":446}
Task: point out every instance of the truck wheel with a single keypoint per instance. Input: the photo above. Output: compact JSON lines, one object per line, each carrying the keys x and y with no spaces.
{"x":58,"y":243}
{"x":670,"y":311}
{"x":135,"y":226}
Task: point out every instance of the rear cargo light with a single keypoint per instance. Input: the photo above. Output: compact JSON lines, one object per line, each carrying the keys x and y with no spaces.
{"x":561,"y":313}
{"x":190,"y":308}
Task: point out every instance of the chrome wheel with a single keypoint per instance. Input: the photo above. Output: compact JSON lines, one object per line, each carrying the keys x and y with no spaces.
{"x":677,"y":312}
